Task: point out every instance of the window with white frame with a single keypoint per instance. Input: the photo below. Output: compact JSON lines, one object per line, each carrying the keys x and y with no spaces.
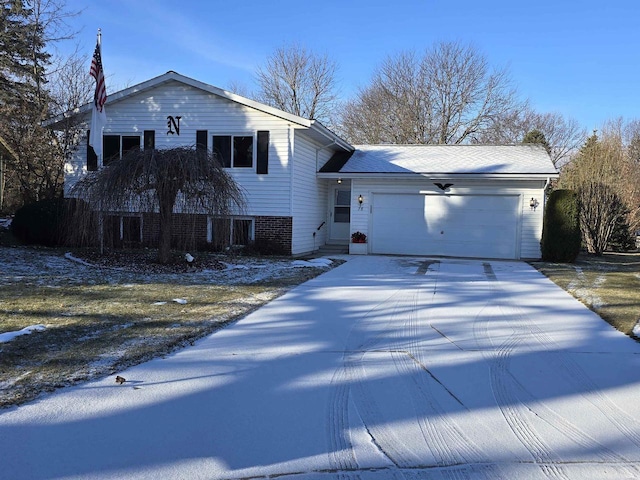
{"x":234,"y":151}
{"x":236,"y":231}
{"x":125,"y":229}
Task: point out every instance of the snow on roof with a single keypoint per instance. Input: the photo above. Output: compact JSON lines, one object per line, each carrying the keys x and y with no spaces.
{"x":450,"y":159}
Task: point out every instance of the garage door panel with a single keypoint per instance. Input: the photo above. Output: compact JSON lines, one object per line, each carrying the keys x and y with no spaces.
{"x":394,"y":240}
{"x":450,"y":225}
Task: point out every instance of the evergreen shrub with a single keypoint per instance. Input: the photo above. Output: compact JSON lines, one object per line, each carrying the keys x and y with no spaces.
{"x":561,"y":236}
{"x":40,"y":223}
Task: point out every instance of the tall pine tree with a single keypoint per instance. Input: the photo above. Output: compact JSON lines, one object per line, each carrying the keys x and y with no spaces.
{"x":24,"y":103}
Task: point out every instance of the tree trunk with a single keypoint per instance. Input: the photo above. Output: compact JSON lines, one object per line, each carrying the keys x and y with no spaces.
{"x":166,"y":222}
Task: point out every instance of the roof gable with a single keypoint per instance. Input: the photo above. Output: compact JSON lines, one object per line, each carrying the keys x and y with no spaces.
{"x":315,"y":129}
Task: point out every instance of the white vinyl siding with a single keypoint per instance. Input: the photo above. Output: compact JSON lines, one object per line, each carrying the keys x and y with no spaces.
{"x":268,"y":195}
{"x":532,"y":223}
{"x":309,"y":196}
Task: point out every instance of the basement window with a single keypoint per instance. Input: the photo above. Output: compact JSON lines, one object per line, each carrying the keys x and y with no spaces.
{"x":234,"y":231}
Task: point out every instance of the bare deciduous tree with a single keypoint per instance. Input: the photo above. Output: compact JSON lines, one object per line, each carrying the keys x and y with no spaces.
{"x":563,"y":135}
{"x":450,"y":95}
{"x":182,"y":180}
{"x":300,"y":82}
{"x":605,"y":178}
{"x":70,"y":87}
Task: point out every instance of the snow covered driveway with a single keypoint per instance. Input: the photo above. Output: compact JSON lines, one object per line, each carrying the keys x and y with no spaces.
{"x":383,"y":368}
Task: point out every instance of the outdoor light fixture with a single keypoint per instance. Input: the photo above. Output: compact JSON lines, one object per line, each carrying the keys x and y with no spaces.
{"x":533,"y":203}
{"x":339,"y":181}
{"x":360,"y":199}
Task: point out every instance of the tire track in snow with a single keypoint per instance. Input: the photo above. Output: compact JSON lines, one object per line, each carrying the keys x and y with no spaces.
{"x":341,"y":454}
{"x":574,"y":374}
{"x":513,"y":411}
{"x":452,"y":445}
{"x":516,"y":402}
{"x":447,"y":442}
{"x":441,"y":436}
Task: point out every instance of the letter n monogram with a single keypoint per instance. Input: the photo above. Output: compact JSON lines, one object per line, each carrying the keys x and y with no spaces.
{"x":173,"y":123}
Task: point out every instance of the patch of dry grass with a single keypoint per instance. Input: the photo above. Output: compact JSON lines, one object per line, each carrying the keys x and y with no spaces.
{"x":609,"y":285}
{"x":101,"y":321}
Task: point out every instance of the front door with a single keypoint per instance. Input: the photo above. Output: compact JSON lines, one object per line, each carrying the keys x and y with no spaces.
{"x":340,"y":214}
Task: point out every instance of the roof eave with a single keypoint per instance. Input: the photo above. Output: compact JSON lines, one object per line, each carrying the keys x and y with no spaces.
{"x":331,"y":136}
{"x":169,"y":76}
{"x":439,"y":175}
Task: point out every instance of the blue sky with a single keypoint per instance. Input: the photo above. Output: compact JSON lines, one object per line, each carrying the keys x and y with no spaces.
{"x":576,"y":58}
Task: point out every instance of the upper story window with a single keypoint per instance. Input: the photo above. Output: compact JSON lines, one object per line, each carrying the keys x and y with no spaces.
{"x":114,"y":147}
{"x":234,"y":151}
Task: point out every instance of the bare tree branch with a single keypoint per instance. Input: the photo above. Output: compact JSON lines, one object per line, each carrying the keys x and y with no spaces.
{"x":447,"y":96}
{"x":300,"y":82}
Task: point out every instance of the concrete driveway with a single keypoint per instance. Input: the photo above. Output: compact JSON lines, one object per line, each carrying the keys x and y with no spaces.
{"x":383,"y":368}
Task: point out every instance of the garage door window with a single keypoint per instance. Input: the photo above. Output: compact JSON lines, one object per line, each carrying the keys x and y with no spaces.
{"x":342,"y":209}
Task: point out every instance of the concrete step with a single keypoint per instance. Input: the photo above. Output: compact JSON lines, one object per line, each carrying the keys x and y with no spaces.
{"x":333,"y":249}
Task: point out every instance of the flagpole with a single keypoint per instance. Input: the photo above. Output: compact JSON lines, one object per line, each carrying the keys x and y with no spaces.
{"x":100,"y":213}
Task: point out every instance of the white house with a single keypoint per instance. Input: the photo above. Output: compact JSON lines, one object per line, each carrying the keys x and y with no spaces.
{"x":307,"y":187}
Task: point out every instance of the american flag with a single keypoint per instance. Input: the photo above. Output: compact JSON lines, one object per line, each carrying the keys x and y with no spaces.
{"x":98,"y":112}
{"x":96,"y":71}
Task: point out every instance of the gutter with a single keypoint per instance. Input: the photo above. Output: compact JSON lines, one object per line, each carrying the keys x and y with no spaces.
{"x":324,"y":131}
{"x":443,"y":176}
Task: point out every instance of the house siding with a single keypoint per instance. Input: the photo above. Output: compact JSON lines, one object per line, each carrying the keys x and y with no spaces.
{"x":266,"y":195}
{"x":310,"y":194}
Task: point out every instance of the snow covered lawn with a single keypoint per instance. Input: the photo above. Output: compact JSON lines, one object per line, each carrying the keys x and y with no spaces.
{"x":382,"y":368}
{"x":609,"y":285}
{"x":64,"y":320}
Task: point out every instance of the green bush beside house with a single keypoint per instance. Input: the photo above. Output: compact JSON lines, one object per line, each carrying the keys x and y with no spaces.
{"x":561,"y":236}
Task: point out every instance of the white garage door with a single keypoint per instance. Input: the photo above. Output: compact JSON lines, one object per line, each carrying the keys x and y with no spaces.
{"x":449,"y":225}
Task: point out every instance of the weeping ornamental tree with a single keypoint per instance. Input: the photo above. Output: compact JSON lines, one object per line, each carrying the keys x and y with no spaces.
{"x":185,"y":180}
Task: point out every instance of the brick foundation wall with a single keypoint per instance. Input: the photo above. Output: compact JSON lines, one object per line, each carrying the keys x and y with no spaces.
{"x":277,"y":230}
{"x":189,"y":231}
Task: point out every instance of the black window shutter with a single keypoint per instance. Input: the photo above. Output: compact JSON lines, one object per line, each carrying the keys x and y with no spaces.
{"x":149,"y":139}
{"x":201,"y":140}
{"x":92,"y":158}
{"x":262,"y":164}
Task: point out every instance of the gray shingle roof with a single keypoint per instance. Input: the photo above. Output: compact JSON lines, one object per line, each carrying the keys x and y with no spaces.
{"x":449,"y":159}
